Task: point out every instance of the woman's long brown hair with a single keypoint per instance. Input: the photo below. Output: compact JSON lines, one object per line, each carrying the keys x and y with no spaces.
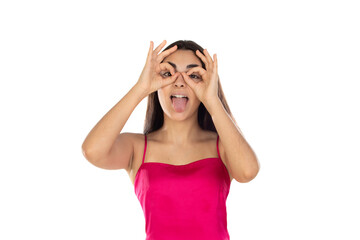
{"x":154,"y":118}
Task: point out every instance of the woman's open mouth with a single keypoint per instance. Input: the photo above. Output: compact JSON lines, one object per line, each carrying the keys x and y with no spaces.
{"x":179,"y":102}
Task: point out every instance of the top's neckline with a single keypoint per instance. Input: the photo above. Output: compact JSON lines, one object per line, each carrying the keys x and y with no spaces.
{"x":171,"y":165}
{"x":179,"y":165}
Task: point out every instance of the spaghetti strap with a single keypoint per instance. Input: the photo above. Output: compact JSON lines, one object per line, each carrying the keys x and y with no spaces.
{"x":217,"y":146}
{"x":144,"y":148}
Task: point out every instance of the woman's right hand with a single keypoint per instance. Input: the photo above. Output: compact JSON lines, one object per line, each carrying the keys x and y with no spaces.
{"x":150,"y":79}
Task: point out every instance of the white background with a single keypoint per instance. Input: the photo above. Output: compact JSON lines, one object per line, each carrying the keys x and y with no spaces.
{"x":289,"y":70}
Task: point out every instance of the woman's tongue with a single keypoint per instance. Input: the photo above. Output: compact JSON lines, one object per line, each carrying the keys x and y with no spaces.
{"x":179,"y":104}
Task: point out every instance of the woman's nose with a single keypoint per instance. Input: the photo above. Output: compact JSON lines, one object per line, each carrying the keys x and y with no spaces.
{"x":179,"y":81}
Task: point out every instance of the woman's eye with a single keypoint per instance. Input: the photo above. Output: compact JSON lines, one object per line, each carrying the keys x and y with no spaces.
{"x":194,"y":76}
{"x":167,"y":74}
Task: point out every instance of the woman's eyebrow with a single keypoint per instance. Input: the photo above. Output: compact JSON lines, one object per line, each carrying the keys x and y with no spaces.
{"x":187,"y":67}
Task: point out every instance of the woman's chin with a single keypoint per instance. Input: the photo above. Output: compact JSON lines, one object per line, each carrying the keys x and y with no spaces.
{"x":180,"y":116}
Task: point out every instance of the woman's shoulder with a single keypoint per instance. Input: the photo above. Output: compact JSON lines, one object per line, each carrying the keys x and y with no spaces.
{"x":136,"y":137}
{"x":139,"y":138}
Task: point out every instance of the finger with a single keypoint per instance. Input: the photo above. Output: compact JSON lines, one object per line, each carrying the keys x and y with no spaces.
{"x":196,"y":69}
{"x":203,"y":58}
{"x":166,"y":53}
{"x":150,"y":49}
{"x":188,"y":81}
{"x":157,"y":50}
{"x":167,"y":66}
{"x":175,"y":76}
{"x":208,"y":57}
{"x":216,"y":62}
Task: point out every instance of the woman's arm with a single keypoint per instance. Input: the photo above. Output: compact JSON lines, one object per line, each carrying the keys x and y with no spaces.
{"x":99,"y":141}
{"x":104,"y":146}
{"x":239,"y":157}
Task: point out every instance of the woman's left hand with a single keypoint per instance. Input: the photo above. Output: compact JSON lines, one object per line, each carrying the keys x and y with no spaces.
{"x":207,"y":88}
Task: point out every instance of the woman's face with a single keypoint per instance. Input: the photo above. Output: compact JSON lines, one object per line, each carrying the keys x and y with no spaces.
{"x":180,"y":108}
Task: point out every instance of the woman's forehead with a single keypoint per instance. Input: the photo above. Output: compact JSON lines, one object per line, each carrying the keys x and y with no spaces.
{"x":183,"y":57}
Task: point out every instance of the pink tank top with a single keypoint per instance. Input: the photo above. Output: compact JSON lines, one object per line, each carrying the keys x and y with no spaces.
{"x":184,"y":202}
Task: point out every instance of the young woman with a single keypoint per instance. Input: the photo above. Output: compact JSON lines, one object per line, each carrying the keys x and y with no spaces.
{"x":183,"y":163}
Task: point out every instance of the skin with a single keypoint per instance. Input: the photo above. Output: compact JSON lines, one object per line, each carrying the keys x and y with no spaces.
{"x":180,"y":134}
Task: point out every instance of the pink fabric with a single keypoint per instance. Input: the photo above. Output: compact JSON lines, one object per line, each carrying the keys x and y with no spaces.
{"x":184,"y":202}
